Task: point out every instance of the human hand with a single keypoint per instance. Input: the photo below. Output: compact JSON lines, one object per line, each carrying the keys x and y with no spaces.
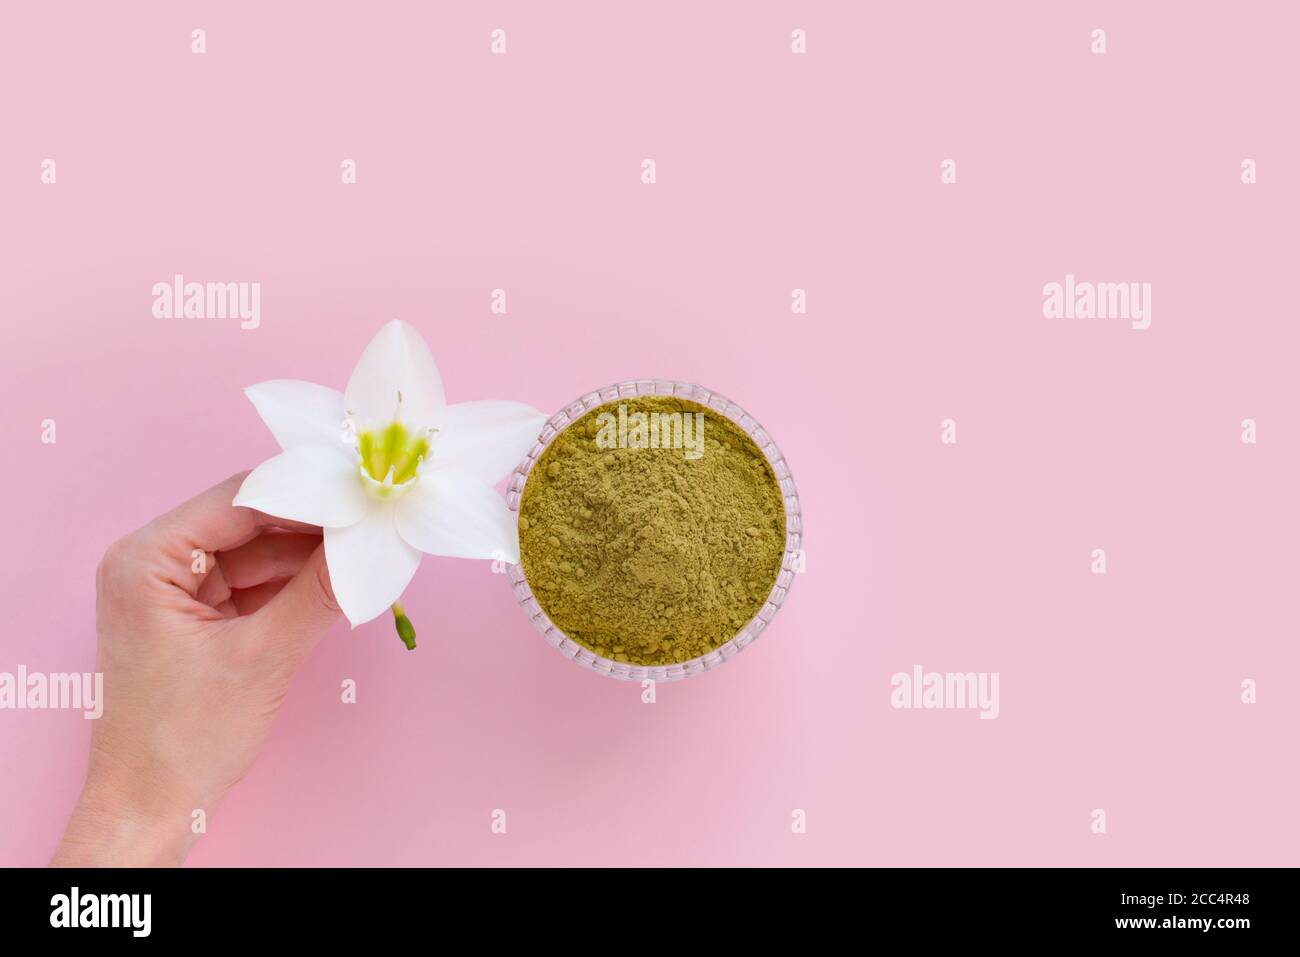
{"x":203,"y":617}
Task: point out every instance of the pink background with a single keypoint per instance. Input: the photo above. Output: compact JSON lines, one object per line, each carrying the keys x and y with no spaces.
{"x":775,"y":171}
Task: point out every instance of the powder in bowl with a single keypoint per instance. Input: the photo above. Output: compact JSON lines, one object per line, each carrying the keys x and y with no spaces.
{"x":651,"y":530}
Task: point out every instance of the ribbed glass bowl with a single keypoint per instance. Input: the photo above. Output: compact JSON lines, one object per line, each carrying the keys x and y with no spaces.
{"x":750,"y":632}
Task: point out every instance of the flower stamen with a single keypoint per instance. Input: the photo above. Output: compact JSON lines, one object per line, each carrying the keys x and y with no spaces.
{"x":392,"y":456}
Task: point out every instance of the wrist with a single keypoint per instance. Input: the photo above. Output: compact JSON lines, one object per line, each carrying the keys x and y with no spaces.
{"x":109,"y":830}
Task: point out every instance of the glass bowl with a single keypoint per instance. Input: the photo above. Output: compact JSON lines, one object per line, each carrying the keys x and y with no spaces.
{"x":791,"y":560}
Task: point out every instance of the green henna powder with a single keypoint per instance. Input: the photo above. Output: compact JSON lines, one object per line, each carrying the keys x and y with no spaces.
{"x":651,"y":555}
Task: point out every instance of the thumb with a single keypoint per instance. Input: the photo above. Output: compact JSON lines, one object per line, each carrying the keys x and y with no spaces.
{"x":303,"y":610}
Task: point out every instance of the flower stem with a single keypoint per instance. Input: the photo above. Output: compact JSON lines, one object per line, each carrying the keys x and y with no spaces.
{"x":405,"y":630}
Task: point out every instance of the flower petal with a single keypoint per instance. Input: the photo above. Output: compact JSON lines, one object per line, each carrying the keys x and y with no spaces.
{"x":370,"y":566}
{"x":299,"y":413}
{"x":310,"y":483}
{"x":452,"y":513}
{"x":396,"y":360}
{"x":487,"y":439}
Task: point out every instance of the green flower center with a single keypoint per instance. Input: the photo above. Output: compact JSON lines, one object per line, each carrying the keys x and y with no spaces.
{"x":393,"y":453}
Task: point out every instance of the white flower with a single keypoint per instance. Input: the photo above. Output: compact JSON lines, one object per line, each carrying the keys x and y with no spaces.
{"x":389,"y":470}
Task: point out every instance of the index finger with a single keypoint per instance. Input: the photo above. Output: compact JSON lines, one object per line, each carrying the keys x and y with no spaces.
{"x":210,"y":523}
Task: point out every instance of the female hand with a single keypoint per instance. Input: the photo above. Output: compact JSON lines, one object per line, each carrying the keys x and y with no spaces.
{"x":203,"y":617}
